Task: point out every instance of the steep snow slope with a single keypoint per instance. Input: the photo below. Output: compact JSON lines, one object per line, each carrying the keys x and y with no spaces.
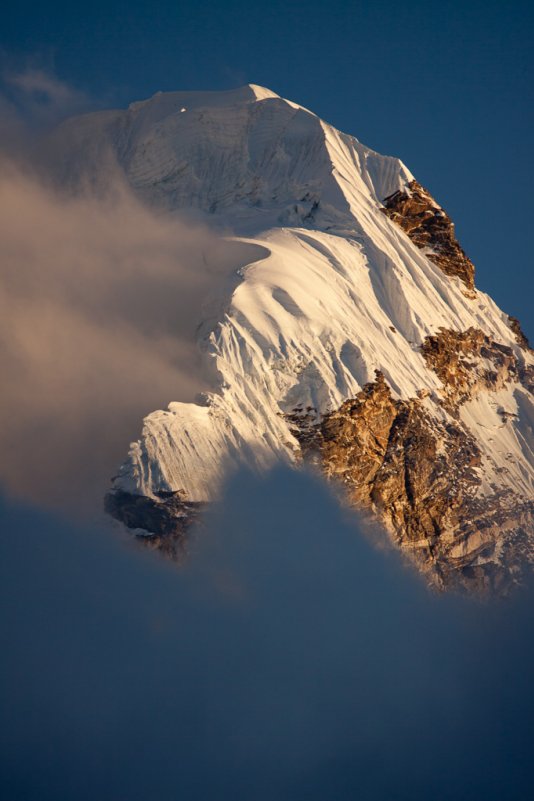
{"x":342,"y":292}
{"x":310,"y":324}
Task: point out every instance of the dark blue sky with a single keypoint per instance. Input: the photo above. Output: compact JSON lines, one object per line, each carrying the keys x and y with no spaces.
{"x":447,"y":86}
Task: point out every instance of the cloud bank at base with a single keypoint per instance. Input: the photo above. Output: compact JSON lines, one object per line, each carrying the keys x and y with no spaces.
{"x":288,"y":661}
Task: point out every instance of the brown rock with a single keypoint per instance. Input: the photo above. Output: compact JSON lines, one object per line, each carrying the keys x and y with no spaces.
{"x":417,"y":474}
{"x":429,"y":226}
{"x":163,"y":523}
{"x":520,"y":336}
{"x":460,"y":358}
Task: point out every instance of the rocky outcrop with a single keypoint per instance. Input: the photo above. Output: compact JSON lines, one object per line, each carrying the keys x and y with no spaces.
{"x":468,"y":362}
{"x":520,"y":336}
{"x":161,"y":523}
{"x":526,"y":376}
{"x":418,"y":474}
{"x":429,"y":227}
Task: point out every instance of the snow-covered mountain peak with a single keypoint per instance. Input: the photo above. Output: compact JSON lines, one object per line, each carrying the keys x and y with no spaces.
{"x":261,"y":92}
{"x":173,"y":101}
{"x":245,"y":158}
{"x":358,"y":340}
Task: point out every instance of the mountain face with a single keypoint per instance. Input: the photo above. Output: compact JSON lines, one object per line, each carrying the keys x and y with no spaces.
{"x":357,"y":341}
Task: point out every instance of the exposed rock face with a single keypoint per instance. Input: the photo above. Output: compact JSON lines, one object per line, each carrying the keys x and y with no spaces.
{"x":418,"y":473}
{"x":526,"y":375}
{"x":429,"y":227}
{"x":468,"y":362}
{"x":520,"y":336}
{"x":160,"y":523}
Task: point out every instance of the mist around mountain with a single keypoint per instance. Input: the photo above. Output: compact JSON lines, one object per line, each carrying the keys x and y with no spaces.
{"x":99,"y":302}
{"x":288,"y":660}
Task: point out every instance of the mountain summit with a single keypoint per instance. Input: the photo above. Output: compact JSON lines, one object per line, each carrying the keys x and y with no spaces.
{"x":357,"y":340}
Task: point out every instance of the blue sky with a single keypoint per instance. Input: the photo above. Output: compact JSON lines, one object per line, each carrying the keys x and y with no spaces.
{"x":109,"y":689}
{"x":447,"y":86}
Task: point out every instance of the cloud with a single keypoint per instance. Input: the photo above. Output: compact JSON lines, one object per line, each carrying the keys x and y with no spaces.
{"x":99,"y":303}
{"x":289,"y":661}
{"x":46,"y":87}
{"x":43,"y":88}
{"x":32,"y":101}
{"x":100,"y":300}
